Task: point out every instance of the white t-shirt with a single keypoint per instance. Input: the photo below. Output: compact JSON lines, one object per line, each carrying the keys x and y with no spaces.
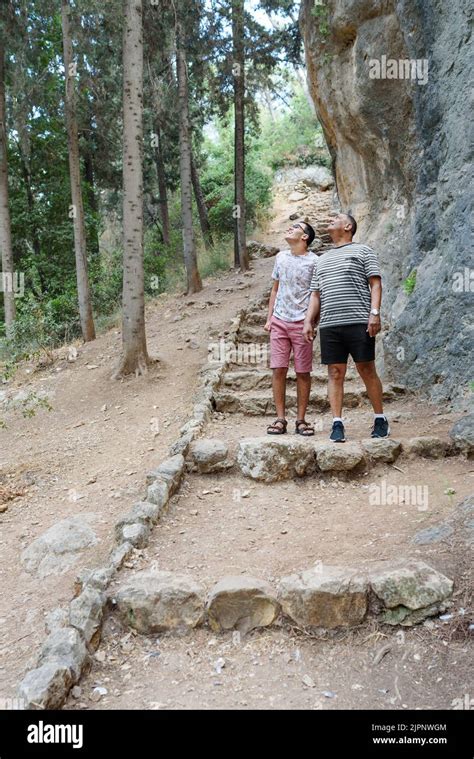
{"x":294,"y":273}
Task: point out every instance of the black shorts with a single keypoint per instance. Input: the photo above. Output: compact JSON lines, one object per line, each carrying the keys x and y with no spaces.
{"x":338,"y":342}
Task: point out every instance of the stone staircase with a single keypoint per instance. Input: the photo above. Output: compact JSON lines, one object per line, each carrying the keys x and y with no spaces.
{"x":246,"y":384}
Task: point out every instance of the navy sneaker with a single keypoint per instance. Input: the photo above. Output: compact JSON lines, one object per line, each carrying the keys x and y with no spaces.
{"x":381,"y":427}
{"x":337,"y":433}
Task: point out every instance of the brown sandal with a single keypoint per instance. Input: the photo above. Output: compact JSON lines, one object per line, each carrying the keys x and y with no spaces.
{"x":278,"y":427}
{"x":307,"y":431}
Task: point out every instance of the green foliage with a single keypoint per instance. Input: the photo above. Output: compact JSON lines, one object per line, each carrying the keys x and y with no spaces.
{"x":410,"y":283}
{"x":218,"y":180}
{"x":293,"y":137}
{"x":321,"y":12}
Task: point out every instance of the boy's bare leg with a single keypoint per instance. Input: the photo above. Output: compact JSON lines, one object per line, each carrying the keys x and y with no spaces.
{"x":303,"y":389}
{"x":279,"y":390}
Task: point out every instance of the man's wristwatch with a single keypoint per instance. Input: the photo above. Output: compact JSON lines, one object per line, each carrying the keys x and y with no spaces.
{"x":375,"y":312}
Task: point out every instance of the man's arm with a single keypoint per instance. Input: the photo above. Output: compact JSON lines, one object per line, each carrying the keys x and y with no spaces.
{"x":271,"y":303}
{"x":374,"y":325}
{"x":312,"y":316}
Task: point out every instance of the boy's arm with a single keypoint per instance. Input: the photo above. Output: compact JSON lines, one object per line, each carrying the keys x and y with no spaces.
{"x":312,"y":316}
{"x":271,"y":303}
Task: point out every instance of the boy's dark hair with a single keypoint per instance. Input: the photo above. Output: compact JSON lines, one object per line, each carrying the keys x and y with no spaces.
{"x":353,"y":223}
{"x":308,"y":230}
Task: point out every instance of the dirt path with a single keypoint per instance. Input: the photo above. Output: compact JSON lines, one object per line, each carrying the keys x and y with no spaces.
{"x":223,"y":524}
{"x":88,"y":456}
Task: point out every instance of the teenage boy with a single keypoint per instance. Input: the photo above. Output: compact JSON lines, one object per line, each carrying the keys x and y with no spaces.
{"x":287,"y":308}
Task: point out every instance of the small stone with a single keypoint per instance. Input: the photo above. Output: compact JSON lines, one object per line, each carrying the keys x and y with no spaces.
{"x":57,"y":549}
{"x":339,"y":458}
{"x":324,"y":596}
{"x":209,"y":455}
{"x":243,"y":603}
{"x":151,"y":601}
{"x":427,"y":447}
{"x":308,"y":681}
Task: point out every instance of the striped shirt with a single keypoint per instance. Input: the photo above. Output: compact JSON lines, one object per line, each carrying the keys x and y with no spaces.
{"x":341,"y":276}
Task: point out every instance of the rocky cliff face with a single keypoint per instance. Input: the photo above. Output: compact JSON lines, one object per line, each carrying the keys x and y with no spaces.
{"x":391,"y":81}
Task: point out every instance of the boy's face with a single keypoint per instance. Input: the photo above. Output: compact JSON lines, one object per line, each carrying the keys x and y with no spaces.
{"x":295,"y":233}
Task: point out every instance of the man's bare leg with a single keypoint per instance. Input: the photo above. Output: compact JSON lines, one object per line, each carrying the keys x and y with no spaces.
{"x":336,"y":374}
{"x":373,"y":385}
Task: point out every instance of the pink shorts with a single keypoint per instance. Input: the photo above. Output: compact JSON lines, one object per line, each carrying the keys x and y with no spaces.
{"x":285,"y":336}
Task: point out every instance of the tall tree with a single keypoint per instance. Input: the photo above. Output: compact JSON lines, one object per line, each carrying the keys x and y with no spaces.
{"x":240,"y":245}
{"x":201,"y":205}
{"x":193,"y":277}
{"x":162,"y":188}
{"x":83,"y":291}
{"x":5,"y":225}
{"x":134,"y":349}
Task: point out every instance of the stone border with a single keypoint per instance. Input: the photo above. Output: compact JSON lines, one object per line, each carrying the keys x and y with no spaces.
{"x":74,"y":634}
{"x":323,"y":597}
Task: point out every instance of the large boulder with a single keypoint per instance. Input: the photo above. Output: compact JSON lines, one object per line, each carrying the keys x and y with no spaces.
{"x":316,"y":177}
{"x":269,"y":459}
{"x":57,"y":549}
{"x":151,"y":602}
{"x":242,"y":603}
{"x":324,"y":596}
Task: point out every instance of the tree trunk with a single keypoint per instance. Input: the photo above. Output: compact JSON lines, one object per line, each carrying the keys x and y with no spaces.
{"x":163,"y":199}
{"x":83,"y":292}
{"x":240,"y":245}
{"x":5,"y":226}
{"x":194,"y":283}
{"x":89,"y":175}
{"x":134,"y":350}
{"x":201,"y":206}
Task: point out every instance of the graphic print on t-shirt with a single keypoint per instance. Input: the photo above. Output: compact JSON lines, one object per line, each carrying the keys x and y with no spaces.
{"x":294,"y":276}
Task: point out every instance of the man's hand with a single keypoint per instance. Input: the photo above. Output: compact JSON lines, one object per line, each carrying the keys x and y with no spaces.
{"x":374,"y":326}
{"x":268,"y":325}
{"x":308,"y":332}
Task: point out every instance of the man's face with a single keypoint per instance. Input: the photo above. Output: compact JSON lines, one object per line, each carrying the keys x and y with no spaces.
{"x":338,"y":225}
{"x":296,"y":232}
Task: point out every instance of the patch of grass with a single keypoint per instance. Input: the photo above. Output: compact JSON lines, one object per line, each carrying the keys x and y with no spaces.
{"x":410,"y":283}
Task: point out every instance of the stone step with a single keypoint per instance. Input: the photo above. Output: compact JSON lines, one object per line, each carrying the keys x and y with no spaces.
{"x":254,"y":379}
{"x":260,"y":402}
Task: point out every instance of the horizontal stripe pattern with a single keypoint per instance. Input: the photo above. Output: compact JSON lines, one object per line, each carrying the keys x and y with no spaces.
{"x":341,"y":276}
